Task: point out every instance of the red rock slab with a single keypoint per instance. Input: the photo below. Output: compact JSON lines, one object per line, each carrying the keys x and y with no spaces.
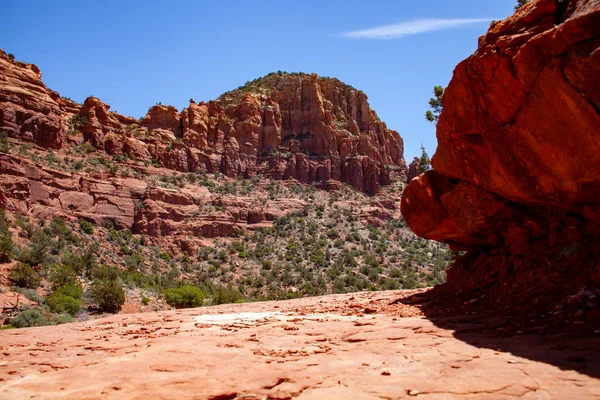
{"x":305,"y":348}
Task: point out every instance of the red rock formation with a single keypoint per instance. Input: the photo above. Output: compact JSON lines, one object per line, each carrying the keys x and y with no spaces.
{"x":284,"y":126}
{"x":413,"y":170}
{"x":129,"y":203}
{"x":28,"y":110}
{"x":310,"y":348}
{"x":517,"y":163}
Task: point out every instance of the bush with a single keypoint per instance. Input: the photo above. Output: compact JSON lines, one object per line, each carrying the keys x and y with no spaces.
{"x":184,"y":297}
{"x":333,"y":234}
{"x":38,"y":251}
{"x":108,"y":295}
{"x":29,"y":318}
{"x":6,"y":242}
{"x":59,"y":228}
{"x":82,"y":262}
{"x":225,"y":295}
{"x":62,"y":275}
{"x":30,"y":294}
{"x":6,"y":248}
{"x":86,"y":226}
{"x":62,"y":319}
{"x":105,"y":272}
{"x":25,"y":276}
{"x":61,"y":303}
{"x":73,"y":290}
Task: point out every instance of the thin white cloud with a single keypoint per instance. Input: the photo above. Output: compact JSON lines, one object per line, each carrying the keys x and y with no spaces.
{"x":412,"y":28}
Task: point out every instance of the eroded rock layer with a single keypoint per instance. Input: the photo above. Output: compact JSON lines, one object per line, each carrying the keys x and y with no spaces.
{"x":516,"y":178}
{"x":286,"y":126}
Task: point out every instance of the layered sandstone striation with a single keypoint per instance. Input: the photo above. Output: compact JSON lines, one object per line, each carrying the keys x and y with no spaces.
{"x":515,"y":179}
{"x":286,"y":126}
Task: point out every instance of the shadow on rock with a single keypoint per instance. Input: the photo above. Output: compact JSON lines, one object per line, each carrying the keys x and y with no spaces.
{"x":575,"y":348}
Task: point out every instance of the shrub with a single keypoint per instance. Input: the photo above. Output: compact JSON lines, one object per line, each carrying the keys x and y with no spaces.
{"x":333,"y":234}
{"x":59,"y":228}
{"x":184,"y":297}
{"x":6,"y":247}
{"x":30,"y":294}
{"x":61,"y":303}
{"x":38,"y":250}
{"x":134,"y":262}
{"x":62,"y":319}
{"x":105,"y":272}
{"x":108,"y":295}
{"x":25,"y":276}
{"x":62,"y":275}
{"x":226,"y":295}
{"x":6,"y":242}
{"x":77,"y":121}
{"x":81,"y":262}
{"x":86,"y":226}
{"x":72,"y":290}
{"x":29,"y":318}
{"x":520,"y":3}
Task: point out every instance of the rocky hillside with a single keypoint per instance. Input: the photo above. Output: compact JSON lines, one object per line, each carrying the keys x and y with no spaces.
{"x":516,"y":180}
{"x":286,"y":187}
{"x":286,"y":126}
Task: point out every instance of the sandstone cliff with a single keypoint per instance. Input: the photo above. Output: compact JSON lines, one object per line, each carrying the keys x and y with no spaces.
{"x":286,"y":126}
{"x":515,"y":179}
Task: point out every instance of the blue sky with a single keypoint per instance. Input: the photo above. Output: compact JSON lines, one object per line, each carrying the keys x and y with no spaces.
{"x":135,"y":53}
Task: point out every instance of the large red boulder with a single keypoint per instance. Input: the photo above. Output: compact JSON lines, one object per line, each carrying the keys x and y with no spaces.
{"x":517,"y":168}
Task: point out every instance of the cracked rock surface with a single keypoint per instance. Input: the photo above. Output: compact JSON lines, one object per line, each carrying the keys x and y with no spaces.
{"x":360,"y":346}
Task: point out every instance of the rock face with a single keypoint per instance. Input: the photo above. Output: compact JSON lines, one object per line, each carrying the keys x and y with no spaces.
{"x":413,"y":170}
{"x":131,"y":203}
{"x":515,"y":179}
{"x":359,"y":345}
{"x":286,"y":126}
{"x":28,"y":110}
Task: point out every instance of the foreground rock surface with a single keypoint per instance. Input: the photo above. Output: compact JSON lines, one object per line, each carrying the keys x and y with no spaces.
{"x":362,"y":346}
{"x":515,"y":179}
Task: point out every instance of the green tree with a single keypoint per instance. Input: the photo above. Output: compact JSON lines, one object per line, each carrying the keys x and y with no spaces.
{"x":6,"y":242}
{"x":184,"y":297}
{"x":62,"y":275}
{"x":61,"y":303}
{"x":435,"y":103}
{"x":521,"y":3}
{"x":82,"y":262}
{"x":38,"y":250}
{"x":25,"y":276}
{"x":424,"y":161}
{"x":226,"y":295}
{"x":108,"y":294}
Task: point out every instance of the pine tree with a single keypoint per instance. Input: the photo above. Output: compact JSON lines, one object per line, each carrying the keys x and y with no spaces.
{"x":424,"y":161}
{"x":436,"y":105}
{"x":521,"y":3}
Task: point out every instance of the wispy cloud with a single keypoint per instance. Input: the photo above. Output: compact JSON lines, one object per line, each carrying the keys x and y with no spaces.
{"x":412,"y":28}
